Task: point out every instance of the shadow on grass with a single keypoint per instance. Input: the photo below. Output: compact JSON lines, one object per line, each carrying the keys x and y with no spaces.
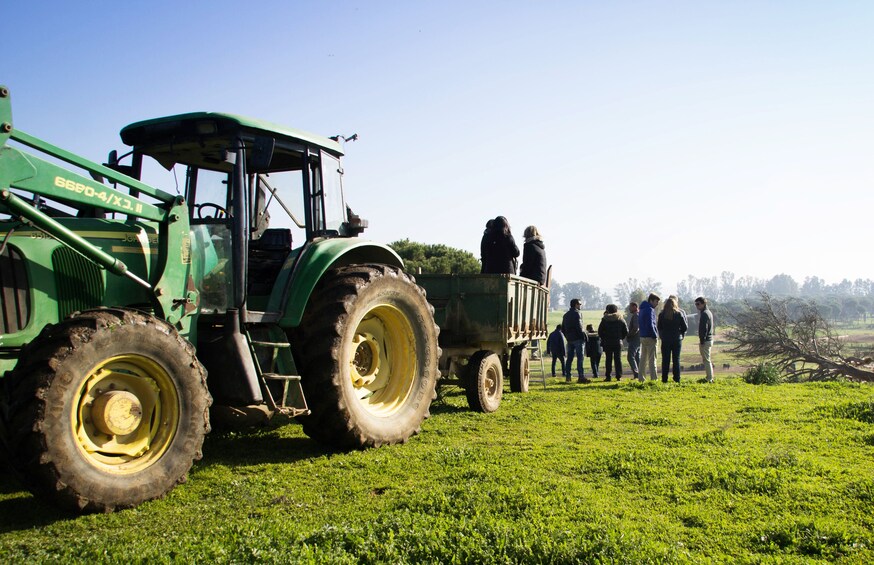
{"x":20,"y":510}
{"x":253,"y":448}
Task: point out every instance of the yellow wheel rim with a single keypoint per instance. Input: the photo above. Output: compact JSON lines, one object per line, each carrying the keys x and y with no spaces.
{"x":383,"y":361}
{"x":126,"y":414}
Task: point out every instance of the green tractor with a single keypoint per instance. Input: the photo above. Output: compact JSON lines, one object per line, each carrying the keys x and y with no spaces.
{"x":129,"y":315}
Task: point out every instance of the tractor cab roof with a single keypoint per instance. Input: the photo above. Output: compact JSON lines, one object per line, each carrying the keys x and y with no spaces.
{"x":204,"y":138}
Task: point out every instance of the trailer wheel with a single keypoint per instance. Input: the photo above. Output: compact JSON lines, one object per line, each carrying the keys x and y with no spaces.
{"x":485,"y":381}
{"x":105,"y":410}
{"x":368,"y":353}
{"x":520,"y":372}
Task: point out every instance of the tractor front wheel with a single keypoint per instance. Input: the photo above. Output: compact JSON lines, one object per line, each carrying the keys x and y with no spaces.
{"x":106,"y":410}
{"x":368,"y":352}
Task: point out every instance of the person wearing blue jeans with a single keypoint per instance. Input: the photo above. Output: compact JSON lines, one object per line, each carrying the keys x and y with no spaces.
{"x":572,"y":327}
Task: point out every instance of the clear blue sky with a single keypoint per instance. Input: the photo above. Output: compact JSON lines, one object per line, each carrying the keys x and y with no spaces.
{"x":644,"y":139}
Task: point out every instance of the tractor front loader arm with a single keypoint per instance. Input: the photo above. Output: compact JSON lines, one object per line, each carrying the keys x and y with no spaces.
{"x":172,"y":293}
{"x":21,"y":208}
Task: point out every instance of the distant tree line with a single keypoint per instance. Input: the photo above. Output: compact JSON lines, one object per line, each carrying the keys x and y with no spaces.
{"x":843,"y":301}
{"x":727,"y":287}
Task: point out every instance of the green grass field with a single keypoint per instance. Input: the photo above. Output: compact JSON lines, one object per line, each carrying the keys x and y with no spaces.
{"x":619,"y":473}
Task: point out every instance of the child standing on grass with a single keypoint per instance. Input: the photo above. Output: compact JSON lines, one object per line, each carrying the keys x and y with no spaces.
{"x":555,"y":347}
{"x":593,"y":349}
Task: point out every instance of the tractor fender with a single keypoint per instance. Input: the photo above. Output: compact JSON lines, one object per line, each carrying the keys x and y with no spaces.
{"x":320,"y":256}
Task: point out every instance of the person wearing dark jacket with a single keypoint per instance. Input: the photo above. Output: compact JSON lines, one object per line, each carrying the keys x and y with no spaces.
{"x":533,"y":256}
{"x":593,"y":349}
{"x":484,"y":245}
{"x":499,"y":253}
{"x":555,"y":347}
{"x":633,"y":341}
{"x":672,"y":327}
{"x":612,"y":330}
{"x":572,"y":327}
{"x":705,"y":336}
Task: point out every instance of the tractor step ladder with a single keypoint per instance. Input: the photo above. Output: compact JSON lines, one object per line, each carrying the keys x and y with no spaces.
{"x":533,"y":347}
{"x":292,"y":402}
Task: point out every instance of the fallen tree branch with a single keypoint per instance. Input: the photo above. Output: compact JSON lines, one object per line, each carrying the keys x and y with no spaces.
{"x":792,"y":335}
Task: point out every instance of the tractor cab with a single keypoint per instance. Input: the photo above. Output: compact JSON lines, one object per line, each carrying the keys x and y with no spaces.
{"x":256,"y":191}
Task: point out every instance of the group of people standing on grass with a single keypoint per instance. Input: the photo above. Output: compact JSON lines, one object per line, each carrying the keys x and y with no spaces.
{"x":642,"y":330}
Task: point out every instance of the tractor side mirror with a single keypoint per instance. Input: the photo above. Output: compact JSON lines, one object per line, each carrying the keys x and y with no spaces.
{"x":355,"y":224}
{"x":262,"y":153}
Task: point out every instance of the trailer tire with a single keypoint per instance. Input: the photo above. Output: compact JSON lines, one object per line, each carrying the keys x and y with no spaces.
{"x":520,"y":369}
{"x":367,"y":351}
{"x":105,"y":410}
{"x":485,"y":381}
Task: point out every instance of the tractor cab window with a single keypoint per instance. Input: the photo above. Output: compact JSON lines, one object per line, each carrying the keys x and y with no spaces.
{"x":207,"y":194}
{"x":335,"y":209}
{"x":209,"y":202}
{"x":277,"y":203}
{"x":328,"y":210}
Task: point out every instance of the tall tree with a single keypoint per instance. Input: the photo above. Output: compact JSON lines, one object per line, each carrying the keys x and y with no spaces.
{"x":590,"y":295}
{"x":726,"y":288}
{"x":812,"y":287}
{"x":782,"y":285}
{"x":626,"y":290}
{"x":556,"y":295}
{"x":863,"y":287}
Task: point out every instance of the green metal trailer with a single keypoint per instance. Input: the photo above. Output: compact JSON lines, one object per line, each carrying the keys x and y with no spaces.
{"x":486,"y":325}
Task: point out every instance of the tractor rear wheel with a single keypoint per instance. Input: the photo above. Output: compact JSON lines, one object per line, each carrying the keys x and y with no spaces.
{"x":520,"y":372}
{"x":105,"y":410}
{"x":368,"y":353}
{"x":484,"y":382}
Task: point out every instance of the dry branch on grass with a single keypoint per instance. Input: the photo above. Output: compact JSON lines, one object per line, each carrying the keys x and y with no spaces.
{"x":791,"y":334}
